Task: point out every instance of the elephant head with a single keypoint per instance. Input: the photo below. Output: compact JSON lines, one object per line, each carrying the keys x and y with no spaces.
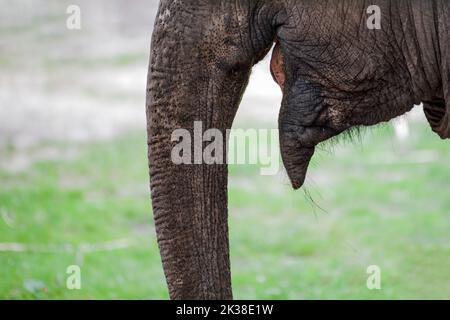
{"x":335,"y":72}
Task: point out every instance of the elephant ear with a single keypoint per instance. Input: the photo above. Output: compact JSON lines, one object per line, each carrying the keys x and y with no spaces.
{"x":438,"y":110}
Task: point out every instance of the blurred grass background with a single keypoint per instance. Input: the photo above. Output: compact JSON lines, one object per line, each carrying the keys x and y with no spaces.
{"x":74,"y":180}
{"x":378,"y":207}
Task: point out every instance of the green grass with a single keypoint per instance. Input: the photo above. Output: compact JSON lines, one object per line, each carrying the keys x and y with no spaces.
{"x":89,"y":199}
{"x":376,"y":203}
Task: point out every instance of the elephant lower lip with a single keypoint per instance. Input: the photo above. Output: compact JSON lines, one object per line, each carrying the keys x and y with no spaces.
{"x":443,"y":130}
{"x":297,"y":165}
{"x":298,"y":144}
{"x":438,"y":117}
{"x":296,"y":158}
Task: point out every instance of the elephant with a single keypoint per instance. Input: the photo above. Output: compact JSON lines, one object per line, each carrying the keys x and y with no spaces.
{"x":336,"y":73}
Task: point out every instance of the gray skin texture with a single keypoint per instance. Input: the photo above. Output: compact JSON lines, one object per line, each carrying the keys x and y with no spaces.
{"x":335,"y":74}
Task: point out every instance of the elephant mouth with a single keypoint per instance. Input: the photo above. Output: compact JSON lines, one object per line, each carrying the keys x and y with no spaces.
{"x":277,"y":65}
{"x":439,"y":117}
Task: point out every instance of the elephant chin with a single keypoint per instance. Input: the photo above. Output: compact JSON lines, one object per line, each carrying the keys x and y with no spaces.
{"x":297,"y":143}
{"x":296,"y":158}
{"x":296,"y":161}
{"x":439,"y":117}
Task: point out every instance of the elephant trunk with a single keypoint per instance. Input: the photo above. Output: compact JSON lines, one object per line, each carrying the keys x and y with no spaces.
{"x":189,"y":200}
{"x":196,"y":74}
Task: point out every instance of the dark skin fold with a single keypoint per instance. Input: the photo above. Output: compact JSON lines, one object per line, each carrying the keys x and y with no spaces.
{"x":335,"y":73}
